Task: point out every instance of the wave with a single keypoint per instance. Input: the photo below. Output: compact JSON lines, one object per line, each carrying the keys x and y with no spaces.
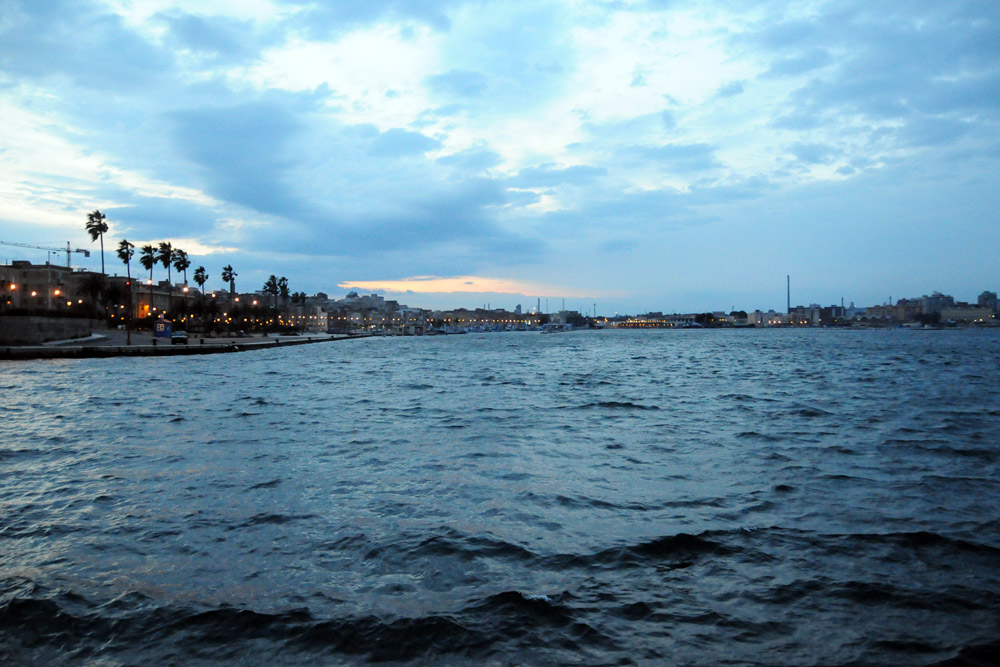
{"x":618,"y":405}
{"x":269,"y":518}
{"x":130,"y":628}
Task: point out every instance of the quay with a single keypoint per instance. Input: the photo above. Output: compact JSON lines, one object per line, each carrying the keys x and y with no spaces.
{"x":112,"y":344}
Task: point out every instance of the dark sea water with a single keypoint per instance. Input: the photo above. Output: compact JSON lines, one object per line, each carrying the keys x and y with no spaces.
{"x":696,"y":497}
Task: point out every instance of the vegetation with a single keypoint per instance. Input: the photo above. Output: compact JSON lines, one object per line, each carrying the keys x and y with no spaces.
{"x":182,"y":263}
{"x":271,"y":287}
{"x":201,"y":278}
{"x":165,"y":255}
{"x":202,"y":310}
{"x":97,"y":226}
{"x":125,"y":253}
{"x":229,"y":276}
{"x":283,"y":290}
{"x":148,"y":261}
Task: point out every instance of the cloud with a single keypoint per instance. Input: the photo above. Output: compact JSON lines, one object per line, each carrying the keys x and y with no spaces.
{"x":326,"y":19}
{"x":398,"y":142}
{"x":243,"y":152}
{"x":44,"y":40}
{"x":548,"y":175}
{"x":813,"y":153}
{"x":730,"y":89}
{"x":471,"y":159}
{"x":152,"y":217}
{"x":463,"y":83}
{"x":336,"y":138}
{"x":225,"y":39}
{"x":463,"y":284}
{"x":799,"y":64}
{"x":678,"y":157}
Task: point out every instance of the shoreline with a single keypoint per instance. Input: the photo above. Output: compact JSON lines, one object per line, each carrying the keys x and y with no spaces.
{"x":229,"y":345}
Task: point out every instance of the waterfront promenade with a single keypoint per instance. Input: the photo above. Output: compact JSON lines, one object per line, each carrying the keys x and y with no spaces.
{"x":112,"y":343}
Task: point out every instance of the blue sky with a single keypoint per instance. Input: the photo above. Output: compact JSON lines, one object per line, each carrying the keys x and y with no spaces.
{"x":659,"y":155}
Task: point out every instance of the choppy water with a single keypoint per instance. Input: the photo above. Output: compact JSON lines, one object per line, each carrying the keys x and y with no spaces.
{"x":703,"y":497}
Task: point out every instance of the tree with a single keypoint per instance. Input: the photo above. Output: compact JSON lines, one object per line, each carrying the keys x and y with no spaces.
{"x":229,"y":276}
{"x":283,"y":290}
{"x":182,"y":263}
{"x":96,"y":227}
{"x":271,"y":287}
{"x":201,"y":278}
{"x":148,"y":261}
{"x":166,"y":257}
{"x":125,"y":252}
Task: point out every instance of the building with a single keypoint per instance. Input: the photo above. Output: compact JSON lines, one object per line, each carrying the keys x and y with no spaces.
{"x":988,"y":300}
{"x":935,"y":303}
{"x":43,"y":288}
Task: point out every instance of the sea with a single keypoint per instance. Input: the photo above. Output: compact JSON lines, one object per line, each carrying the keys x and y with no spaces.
{"x":696,"y":497}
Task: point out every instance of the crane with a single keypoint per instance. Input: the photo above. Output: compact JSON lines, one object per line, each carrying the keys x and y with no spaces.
{"x":67,"y":250}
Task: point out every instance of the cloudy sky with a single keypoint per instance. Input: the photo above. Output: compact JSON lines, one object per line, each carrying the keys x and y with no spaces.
{"x":640,"y":155}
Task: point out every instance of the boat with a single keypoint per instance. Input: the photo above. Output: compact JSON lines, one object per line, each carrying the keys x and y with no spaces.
{"x":556,"y":327}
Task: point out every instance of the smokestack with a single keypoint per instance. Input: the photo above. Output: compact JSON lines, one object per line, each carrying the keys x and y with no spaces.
{"x":788,"y":293}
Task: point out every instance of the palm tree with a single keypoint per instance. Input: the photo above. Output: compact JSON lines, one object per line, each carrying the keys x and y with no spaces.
{"x":283,"y":290}
{"x":201,"y":278}
{"x":229,"y":276}
{"x":97,"y":226}
{"x":148,"y":261}
{"x":271,"y":287}
{"x":165,"y":255}
{"x":125,"y":252}
{"x":182,"y":263}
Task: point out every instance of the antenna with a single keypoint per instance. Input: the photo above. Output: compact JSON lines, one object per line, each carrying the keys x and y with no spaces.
{"x":788,"y":293}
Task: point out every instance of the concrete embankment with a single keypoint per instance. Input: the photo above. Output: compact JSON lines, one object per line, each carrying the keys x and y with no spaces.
{"x":33,"y":330}
{"x":163,"y":349}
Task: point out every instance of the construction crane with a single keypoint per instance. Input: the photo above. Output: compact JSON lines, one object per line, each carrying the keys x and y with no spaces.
{"x":67,"y":250}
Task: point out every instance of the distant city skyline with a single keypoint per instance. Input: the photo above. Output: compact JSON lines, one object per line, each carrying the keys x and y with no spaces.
{"x":643,"y":156}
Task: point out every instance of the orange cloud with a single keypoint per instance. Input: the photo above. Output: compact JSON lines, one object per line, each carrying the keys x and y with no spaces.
{"x":470,"y":284}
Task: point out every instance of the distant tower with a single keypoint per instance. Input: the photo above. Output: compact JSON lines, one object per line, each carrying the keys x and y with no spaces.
{"x":538,"y":308}
{"x":788,"y":293}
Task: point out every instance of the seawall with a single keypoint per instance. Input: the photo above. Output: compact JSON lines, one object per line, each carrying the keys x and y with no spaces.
{"x":162,"y":350}
{"x":32,"y":330}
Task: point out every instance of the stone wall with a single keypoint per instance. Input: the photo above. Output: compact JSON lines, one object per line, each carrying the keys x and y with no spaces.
{"x":32,"y":330}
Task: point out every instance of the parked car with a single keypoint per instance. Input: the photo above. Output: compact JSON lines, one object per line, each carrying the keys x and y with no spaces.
{"x":179,"y":338}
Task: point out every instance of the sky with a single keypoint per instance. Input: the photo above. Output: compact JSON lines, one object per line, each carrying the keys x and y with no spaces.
{"x":618,"y":156}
